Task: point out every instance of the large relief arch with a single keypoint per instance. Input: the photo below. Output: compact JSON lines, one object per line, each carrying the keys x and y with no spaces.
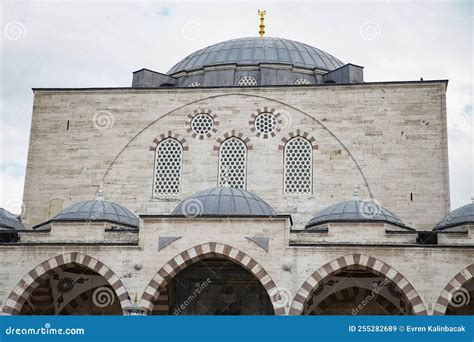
{"x":331,"y":160}
{"x":156,"y":297}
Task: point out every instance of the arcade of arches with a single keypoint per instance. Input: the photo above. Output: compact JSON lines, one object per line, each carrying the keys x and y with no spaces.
{"x":219,"y":286}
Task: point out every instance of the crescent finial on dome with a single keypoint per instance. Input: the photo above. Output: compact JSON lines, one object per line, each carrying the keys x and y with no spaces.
{"x":261,"y":13}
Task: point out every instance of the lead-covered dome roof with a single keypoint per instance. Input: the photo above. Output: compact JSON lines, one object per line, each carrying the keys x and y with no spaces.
{"x":98,"y":210}
{"x":223,"y":201}
{"x":457,"y":217}
{"x":354,"y":210}
{"x":9,"y":220}
{"x":258,"y":50}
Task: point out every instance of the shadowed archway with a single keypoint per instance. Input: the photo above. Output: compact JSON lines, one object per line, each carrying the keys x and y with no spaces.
{"x":457,"y":297}
{"x":211,"y":250}
{"x":373,"y":265}
{"x":47,"y":271}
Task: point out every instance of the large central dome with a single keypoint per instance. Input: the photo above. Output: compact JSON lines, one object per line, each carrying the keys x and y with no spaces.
{"x":257,"y":50}
{"x":253,"y":62}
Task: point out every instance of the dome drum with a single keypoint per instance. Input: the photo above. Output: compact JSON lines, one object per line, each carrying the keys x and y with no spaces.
{"x":269,"y":61}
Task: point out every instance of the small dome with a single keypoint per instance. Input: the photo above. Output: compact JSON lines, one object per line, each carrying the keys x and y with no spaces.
{"x":257,"y":50}
{"x":98,"y":210}
{"x":223,"y":201}
{"x":352,"y":211}
{"x":10,"y":221}
{"x":457,"y":217}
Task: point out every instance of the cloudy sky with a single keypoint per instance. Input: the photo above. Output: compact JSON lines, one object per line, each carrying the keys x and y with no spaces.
{"x":100,"y":43}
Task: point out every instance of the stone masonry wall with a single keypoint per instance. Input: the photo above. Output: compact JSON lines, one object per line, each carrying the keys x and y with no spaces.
{"x":387,"y":137}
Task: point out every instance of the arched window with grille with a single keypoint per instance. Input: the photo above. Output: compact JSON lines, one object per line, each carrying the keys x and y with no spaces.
{"x":298,"y":176}
{"x":233,"y":163}
{"x":168,"y":160}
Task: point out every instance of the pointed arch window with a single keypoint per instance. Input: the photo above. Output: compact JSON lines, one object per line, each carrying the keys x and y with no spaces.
{"x":233,"y":163}
{"x":168,"y":161}
{"x":298,"y":177}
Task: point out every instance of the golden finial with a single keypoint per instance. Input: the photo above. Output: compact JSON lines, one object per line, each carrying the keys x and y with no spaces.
{"x":261,"y":32}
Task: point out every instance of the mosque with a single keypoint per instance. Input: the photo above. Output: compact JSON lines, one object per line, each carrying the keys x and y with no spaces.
{"x":258,"y":176}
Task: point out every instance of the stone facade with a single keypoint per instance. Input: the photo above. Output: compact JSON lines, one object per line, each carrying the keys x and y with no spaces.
{"x":389,"y":138}
{"x":363,"y":134}
{"x":287,"y":269}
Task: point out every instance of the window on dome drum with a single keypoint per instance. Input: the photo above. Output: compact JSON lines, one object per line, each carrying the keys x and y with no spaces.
{"x":233,"y":163}
{"x":194,"y":84}
{"x":302,"y":81}
{"x":298,"y":178}
{"x":247,"y":81}
{"x":265,"y":123}
{"x":168,"y":160}
{"x":202,"y":124}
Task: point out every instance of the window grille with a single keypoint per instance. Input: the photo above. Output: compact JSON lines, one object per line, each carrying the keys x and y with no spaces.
{"x":247,"y":81}
{"x":265,"y":123}
{"x":298,"y":166}
{"x":202,"y":124}
{"x":168,"y":160}
{"x":232,"y":163}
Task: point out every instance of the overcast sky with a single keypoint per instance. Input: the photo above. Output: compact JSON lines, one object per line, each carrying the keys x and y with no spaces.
{"x":100,"y":43}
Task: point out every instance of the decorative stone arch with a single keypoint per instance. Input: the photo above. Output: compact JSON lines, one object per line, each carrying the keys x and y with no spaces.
{"x":207,"y":98}
{"x":167,"y":135}
{"x":202,"y":110}
{"x":204,"y":251}
{"x":278,"y":117}
{"x":29,"y":282}
{"x":451,"y":288}
{"x":347,"y":293}
{"x":298,"y":133}
{"x":370,"y":263}
{"x":234,"y":134}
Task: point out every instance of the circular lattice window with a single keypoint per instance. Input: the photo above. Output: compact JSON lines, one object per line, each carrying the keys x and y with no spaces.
{"x":247,"y":81}
{"x":202,"y":124}
{"x":302,"y":81}
{"x":194,"y":84}
{"x":265,"y":123}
